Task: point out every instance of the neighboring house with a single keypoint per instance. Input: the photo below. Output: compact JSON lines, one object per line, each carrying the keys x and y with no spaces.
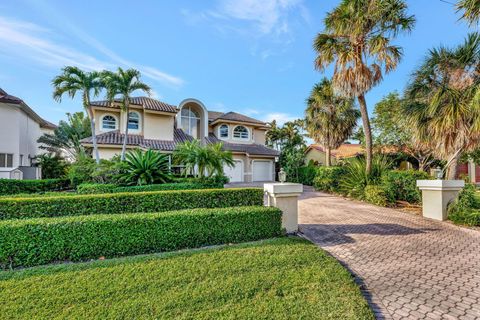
{"x":20,"y":128}
{"x":469,"y":170}
{"x":160,"y":126}
{"x":317,"y":154}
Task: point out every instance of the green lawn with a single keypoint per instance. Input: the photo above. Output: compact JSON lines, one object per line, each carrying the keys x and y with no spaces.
{"x":285,"y":278}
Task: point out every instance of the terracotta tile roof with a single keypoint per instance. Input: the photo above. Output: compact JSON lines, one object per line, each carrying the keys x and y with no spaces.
{"x":232,"y":116}
{"x":346,"y":150}
{"x":7,"y":98}
{"x":252,"y":149}
{"x":146,"y":102}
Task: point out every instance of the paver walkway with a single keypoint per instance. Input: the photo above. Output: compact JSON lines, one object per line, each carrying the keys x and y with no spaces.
{"x":408,"y":266}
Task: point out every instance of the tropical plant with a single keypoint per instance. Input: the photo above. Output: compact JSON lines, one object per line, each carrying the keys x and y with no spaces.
{"x":202,"y":160}
{"x":357,"y":39}
{"x":330,"y":119}
{"x":443,"y":101}
{"x":120,"y":86}
{"x":71,"y":81}
{"x":52,"y":165}
{"x":356,"y":179}
{"x":65,"y":140}
{"x":145,"y":167}
{"x":470,"y":10}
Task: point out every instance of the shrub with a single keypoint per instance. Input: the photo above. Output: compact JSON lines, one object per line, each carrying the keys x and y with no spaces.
{"x":39,"y":241}
{"x":402,"y":185}
{"x":465,"y":209}
{"x":53,"y":166}
{"x":306,"y":175}
{"x":92,"y":188}
{"x":127,"y":202}
{"x":10,"y":186}
{"x":375,"y":195}
{"x":145,"y":167}
{"x":328,"y":178}
{"x":81,"y":171}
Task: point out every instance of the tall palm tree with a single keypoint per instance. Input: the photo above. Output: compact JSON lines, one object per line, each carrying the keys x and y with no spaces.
{"x":71,"y":81}
{"x":443,"y":105}
{"x":357,"y":40}
{"x":330,"y":119}
{"x":120,"y":85}
{"x":470,"y":10}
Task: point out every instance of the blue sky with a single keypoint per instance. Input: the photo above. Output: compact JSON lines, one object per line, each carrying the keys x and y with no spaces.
{"x":249,"y":56}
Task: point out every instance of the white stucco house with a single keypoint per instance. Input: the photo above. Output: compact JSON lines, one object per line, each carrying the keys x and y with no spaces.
{"x":20,"y":127}
{"x":160,"y":126}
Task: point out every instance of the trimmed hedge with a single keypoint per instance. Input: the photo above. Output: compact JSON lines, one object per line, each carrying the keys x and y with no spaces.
{"x":328,"y":178}
{"x":375,"y":195}
{"x":402,"y":185}
{"x":307,"y":174}
{"x":11,"y":186}
{"x":466,"y":208}
{"x":128,"y":202}
{"x":93,"y":188}
{"x":40,"y":241}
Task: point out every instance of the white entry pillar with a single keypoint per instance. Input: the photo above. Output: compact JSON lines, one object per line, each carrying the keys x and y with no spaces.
{"x":285,"y":197}
{"x":436,"y":195}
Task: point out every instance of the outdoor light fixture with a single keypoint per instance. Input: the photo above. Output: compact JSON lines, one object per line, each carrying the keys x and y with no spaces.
{"x":438,"y":173}
{"x":282,"y":176}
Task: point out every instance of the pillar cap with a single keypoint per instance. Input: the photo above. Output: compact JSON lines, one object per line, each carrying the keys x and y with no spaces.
{"x":283,"y":188}
{"x":440,"y":185}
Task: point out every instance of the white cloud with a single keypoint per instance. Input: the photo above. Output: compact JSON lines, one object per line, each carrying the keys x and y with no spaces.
{"x":280,"y":117}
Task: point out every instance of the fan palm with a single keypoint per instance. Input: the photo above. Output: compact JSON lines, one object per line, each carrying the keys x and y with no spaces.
{"x":330,"y":119}
{"x":470,"y":10}
{"x":357,"y":40}
{"x":145,"y":167}
{"x":71,"y":81}
{"x":443,"y":104}
{"x":120,"y":86}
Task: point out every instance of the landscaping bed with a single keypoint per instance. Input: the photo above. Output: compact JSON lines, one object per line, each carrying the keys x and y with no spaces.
{"x":286,"y":278}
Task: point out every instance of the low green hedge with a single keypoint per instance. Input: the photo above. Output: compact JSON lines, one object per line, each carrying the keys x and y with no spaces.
{"x":11,"y":186}
{"x":307,"y":174}
{"x":328,"y":178}
{"x":40,"y":241}
{"x":375,"y":195}
{"x":128,"y":202}
{"x":466,"y":208}
{"x":402,"y":185}
{"x":93,"y":188}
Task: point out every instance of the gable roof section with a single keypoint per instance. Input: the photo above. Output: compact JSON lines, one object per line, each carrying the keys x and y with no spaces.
{"x":7,"y":98}
{"x":146,"y":102}
{"x":251,"y":149}
{"x":215,"y":116}
{"x":346,"y":150}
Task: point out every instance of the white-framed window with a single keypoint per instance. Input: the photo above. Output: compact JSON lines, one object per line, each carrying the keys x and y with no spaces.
{"x":190,"y":121}
{"x":240,"y":132}
{"x":134,"y":120}
{"x":223,"y":131}
{"x":6,"y":160}
{"x":109,"y":122}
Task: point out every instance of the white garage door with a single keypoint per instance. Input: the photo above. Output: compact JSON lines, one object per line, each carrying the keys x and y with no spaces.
{"x":262,"y":170}
{"x":235,"y":174}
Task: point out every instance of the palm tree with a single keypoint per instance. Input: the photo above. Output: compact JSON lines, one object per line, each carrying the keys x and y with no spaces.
{"x":65,"y":140}
{"x":120,"y":86}
{"x":71,"y":81}
{"x":470,"y":10}
{"x":443,"y":104}
{"x":330,"y":119}
{"x":357,"y":40}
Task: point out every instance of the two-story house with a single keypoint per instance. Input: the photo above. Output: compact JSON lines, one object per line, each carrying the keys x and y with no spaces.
{"x":20,"y":128}
{"x":160,"y":126}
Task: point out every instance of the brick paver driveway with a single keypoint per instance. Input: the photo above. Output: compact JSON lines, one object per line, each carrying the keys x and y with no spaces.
{"x":409,"y":267}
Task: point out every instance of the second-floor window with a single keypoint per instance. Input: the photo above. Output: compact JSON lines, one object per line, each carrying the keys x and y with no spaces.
{"x":6,"y":160}
{"x":133,"y":121}
{"x":109,"y":123}
{"x":240,"y":132}
{"x":190,"y":122}
{"x":223,"y":131}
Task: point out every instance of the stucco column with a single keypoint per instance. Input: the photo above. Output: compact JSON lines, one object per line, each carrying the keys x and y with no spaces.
{"x":471,"y":171}
{"x":285,"y":197}
{"x":436,"y":195}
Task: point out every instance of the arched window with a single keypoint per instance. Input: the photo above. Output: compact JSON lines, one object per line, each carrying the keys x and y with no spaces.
{"x":133,"y":120}
{"x":109,"y":122}
{"x":240,"y":132}
{"x":191,"y":122}
{"x":223,"y":131}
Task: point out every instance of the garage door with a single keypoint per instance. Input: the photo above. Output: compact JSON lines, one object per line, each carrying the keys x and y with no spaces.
{"x":262,"y":170}
{"x":235,"y":174}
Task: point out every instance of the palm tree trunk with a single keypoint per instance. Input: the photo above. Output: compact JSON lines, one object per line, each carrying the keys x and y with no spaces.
{"x":367,"y":131}
{"x":94,"y":136}
{"x":124,"y":146}
{"x":328,"y":161}
{"x":452,"y":168}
